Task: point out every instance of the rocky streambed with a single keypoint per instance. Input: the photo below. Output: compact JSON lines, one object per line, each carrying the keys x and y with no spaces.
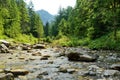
{"x":38,"y":62}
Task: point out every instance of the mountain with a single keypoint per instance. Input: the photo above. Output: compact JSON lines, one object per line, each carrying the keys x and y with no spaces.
{"x":45,"y":16}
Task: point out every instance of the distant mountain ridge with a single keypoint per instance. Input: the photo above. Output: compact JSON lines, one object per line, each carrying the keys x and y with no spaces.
{"x":45,"y":16}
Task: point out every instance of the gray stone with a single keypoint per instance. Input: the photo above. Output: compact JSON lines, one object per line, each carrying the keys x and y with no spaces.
{"x":6,"y":43}
{"x":22,"y":77}
{"x":8,"y":76}
{"x":36,"y":54}
{"x":1,"y":70}
{"x":81,"y":57}
{"x":39,"y":46}
{"x":43,"y":58}
{"x":115,"y":67}
{"x":71,"y":71}
{"x":108,"y":73}
{"x":3,"y":48}
{"x":63,"y":69}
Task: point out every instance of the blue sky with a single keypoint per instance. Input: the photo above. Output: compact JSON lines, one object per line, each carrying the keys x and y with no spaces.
{"x":52,"y":6}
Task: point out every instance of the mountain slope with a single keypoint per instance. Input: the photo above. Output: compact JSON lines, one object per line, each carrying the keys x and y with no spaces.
{"x":45,"y":16}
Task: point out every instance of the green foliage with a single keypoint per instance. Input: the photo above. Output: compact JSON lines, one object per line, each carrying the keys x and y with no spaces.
{"x":90,"y":23}
{"x":48,"y":39}
{"x":105,"y":42}
{"x":26,"y":39}
{"x":47,"y":29}
{"x":61,"y":22}
{"x":71,"y":41}
{"x":36,"y":26}
{"x":24,"y":16}
{"x":19,"y":22}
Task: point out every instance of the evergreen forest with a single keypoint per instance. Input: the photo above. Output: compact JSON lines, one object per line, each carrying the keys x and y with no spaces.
{"x":91,"y":23}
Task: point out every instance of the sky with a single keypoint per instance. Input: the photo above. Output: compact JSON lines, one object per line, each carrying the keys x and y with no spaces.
{"x":52,"y":6}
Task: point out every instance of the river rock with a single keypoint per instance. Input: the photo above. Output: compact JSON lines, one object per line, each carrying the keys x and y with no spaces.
{"x":80,"y":57}
{"x":73,"y":56}
{"x":71,"y":71}
{"x":22,"y":77}
{"x":43,"y":58}
{"x":8,"y":76}
{"x":6,"y":43}
{"x":94,"y":70}
{"x":1,"y":70}
{"x":17,"y":72}
{"x":63,"y":69}
{"x":87,"y":58}
{"x":39,"y":46}
{"x":108,"y":73}
{"x":3,"y":48}
{"x":36,"y":54}
{"x":115,"y":67}
{"x":26,"y":46}
{"x":46,"y":55}
{"x":21,"y":58}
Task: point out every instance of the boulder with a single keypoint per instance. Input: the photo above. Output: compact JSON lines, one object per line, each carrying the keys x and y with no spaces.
{"x":22,"y":77}
{"x":8,"y":76}
{"x":73,"y":56}
{"x":1,"y":70}
{"x":17,"y":72}
{"x":39,"y":46}
{"x":115,"y":67}
{"x":21,"y":58}
{"x":87,"y":58}
{"x":36,"y":54}
{"x":43,"y":58}
{"x":31,"y":58}
{"x":94,"y":70}
{"x":3,"y":48}
{"x":63,"y":69}
{"x":71,"y":71}
{"x":81,"y":57}
{"x":26,"y":46}
{"x":108,"y":73}
{"x":46,"y":55}
{"x":6,"y":43}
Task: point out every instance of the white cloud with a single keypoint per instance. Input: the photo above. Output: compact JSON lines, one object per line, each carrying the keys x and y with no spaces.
{"x":52,"y":6}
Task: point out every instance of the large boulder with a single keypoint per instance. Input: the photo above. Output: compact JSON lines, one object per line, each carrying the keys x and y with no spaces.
{"x":8,"y":76}
{"x":81,"y":57}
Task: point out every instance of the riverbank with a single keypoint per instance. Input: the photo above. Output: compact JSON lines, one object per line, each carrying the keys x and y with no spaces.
{"x":42,"y":62}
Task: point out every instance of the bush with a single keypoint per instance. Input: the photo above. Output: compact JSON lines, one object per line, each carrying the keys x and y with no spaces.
{"x":105,"y":42}
{"x":25,"y":39}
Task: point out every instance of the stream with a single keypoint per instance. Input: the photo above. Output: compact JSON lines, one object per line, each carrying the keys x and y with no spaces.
{"x":52,"y":63}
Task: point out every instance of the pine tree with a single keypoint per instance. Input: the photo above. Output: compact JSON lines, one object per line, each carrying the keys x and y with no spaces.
{"x":24,"y":17}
